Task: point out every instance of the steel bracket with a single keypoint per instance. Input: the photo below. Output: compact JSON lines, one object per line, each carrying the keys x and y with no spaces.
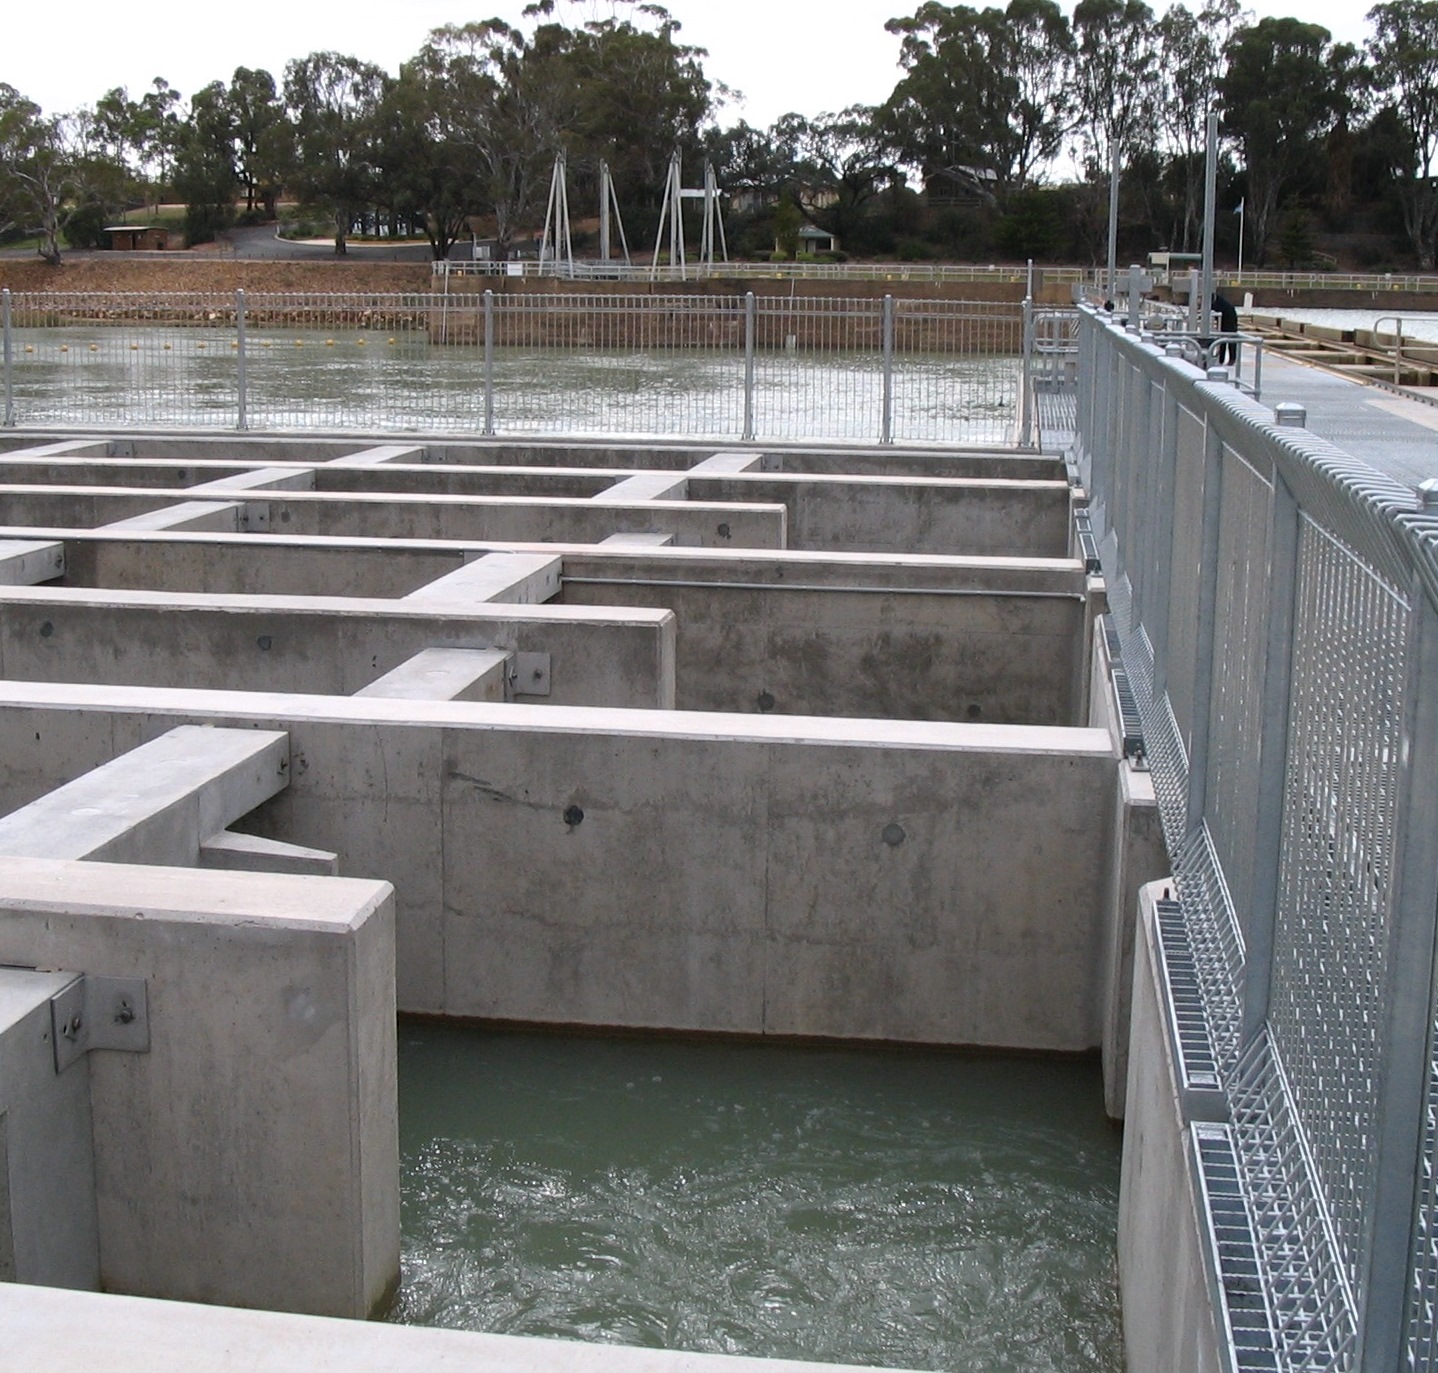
{"x":527,"y":674}
{"x":99,"y":1013}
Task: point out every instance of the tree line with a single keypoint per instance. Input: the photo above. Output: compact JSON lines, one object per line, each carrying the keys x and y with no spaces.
{"x":997,"y":139}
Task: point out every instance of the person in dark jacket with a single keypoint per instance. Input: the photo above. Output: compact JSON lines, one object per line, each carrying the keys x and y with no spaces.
{"x":1226,"y":353}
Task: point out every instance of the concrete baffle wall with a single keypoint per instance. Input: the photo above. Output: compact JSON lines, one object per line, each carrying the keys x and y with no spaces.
{"x":250,"y":1157}
{"x":749,"y":874}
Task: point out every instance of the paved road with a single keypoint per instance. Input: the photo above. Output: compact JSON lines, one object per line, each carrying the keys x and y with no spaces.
{"x":260,"y":244}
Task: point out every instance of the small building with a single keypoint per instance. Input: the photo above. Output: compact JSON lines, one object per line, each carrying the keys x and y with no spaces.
{"x":814,"y":240}
{"x":138,"y":238}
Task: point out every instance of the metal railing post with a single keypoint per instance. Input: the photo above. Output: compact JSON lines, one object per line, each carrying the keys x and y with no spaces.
{"x":886,"y":424}
{"x":489,"y":364}
{"x":1385,"y":1287}
{"x":9,"y":358}
{"x":241,"y":380}
{"x":1026,"y":384}
{"x":749,"y":312}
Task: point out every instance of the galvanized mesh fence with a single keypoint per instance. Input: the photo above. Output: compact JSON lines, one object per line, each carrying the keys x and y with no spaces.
{"x":713,"y":366}
{"x":1276,"y":604}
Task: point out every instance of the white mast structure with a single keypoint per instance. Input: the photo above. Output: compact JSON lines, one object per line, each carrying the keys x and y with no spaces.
{"x":672,"y":213}
{"x":609,"y":201}
{"x":556,"y":220}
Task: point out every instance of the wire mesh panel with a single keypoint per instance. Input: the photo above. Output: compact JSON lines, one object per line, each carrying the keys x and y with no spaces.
{"x":1191,"y":476}
{"x":1312,"y":561}
{"x":380,"y":361}
{"x":619,"y":364}
{"x":704,"y":366}
{"x":1331,"y":970}
{"x":1422,"y":1332}
{"x":1241,"y":611}
{"x":957,"y":370}
{"x":1308,"y":1293}
{"x":818,"y":368}
{"x":99,"y":358}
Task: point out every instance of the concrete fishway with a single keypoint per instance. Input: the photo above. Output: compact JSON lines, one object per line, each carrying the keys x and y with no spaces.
{"x":772,"y":742}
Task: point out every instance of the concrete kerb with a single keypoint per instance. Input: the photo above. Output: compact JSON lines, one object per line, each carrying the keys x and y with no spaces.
{"x":87,"y":1332}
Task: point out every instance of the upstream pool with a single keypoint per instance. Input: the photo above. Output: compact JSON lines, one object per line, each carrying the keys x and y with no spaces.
{"x":912,"y":1209}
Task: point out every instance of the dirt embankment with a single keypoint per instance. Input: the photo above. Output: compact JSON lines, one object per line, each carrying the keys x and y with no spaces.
{"x":184,"y":272}
{"x":193,"y":272}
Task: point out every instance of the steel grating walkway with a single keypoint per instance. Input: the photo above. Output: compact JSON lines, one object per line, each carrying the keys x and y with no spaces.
{"x":1396,"y":435}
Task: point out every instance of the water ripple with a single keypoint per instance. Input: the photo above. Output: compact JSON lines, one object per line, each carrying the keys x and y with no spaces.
{"x":920,"y":1211}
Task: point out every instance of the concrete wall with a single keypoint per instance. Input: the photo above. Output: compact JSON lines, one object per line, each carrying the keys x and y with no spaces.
{"x":837,"y":877}
{"x":905,"y":515}
{"x":387,"y":516}
{"x":257,"y":564}
{"x":1168,"y":1319}
{"x":319,"y":644}
{"x":251,"y":1156}
{"x":893,"y":654}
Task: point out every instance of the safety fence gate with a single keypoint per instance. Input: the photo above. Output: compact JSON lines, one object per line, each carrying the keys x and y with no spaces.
{"x":1276,"y":603}
{"x":747,"y":366}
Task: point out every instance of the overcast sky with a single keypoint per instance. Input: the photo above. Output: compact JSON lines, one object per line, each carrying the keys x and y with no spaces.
{"x":782,"y":54}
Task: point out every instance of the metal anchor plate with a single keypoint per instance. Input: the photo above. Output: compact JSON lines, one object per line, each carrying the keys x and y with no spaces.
{"x":99,"y":1013}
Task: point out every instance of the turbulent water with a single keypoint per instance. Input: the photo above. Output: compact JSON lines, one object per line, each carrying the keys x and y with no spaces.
{"x":910,"y":1210}
{"x":91,"y":374}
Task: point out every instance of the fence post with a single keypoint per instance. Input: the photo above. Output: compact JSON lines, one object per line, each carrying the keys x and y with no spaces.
{"x":1026,"y":385}
{"x":886,"y":427}
{"x":749,"y":310}
{"x":241,"y":380}
{"x":1385,"y":1286}
{"x":9,"y":361}
{"x":489,"y":364}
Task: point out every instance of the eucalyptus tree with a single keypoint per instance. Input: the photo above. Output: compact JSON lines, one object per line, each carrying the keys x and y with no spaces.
{"x":984,"y":91}
{"x":42,"y":169}
{"x":428,"y":172}
{"x":1404,"y":54}
{"x":641,"y":93}
{"x":1285,"y":87}
{"x":1115,"y":82}
{"x":205,"y":174}
{"x":839,"y":164}
{"x":500,"y":100}
{"x":335,"y":102}
{"x":156,"y":133}
{"x":263,"y":136}
{"x":1190,"y":49}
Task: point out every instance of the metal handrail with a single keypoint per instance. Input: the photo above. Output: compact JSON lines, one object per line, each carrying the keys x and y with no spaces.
{"x":583,"y":270}
{"x":1397,"y":343}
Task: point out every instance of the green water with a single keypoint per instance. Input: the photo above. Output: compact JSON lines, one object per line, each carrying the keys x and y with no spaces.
{"x":913,"y":1210}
